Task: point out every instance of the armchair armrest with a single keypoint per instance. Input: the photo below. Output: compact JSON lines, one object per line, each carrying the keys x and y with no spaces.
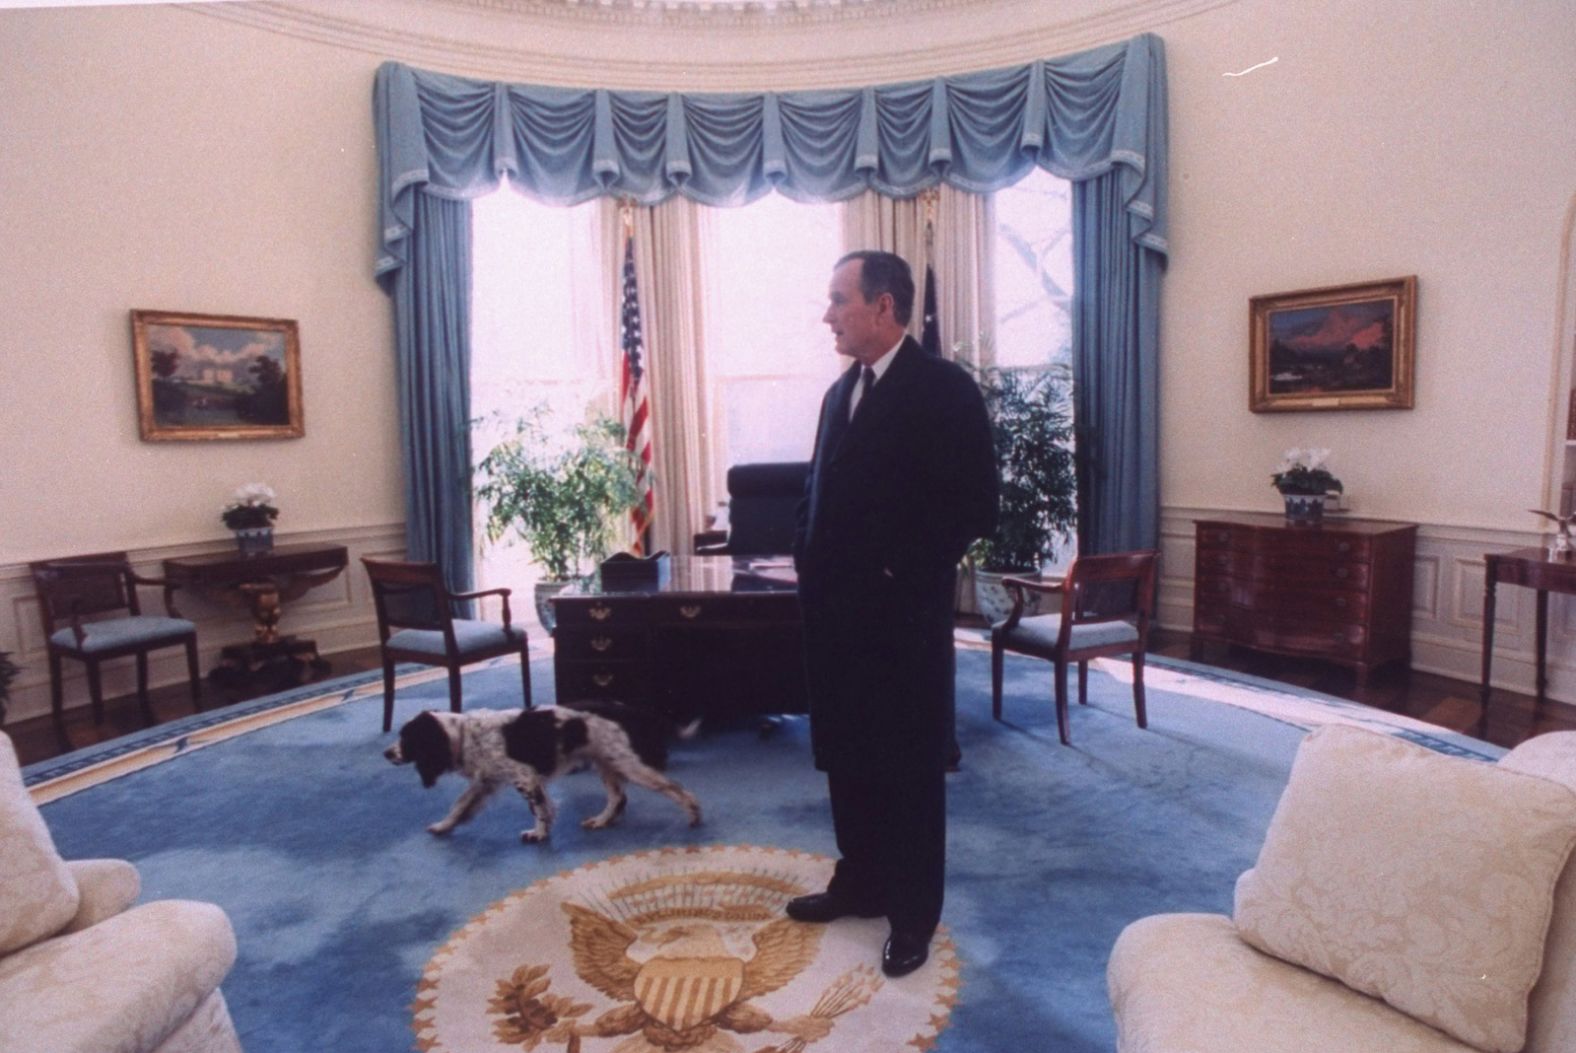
{"x":107,"y":887}
{"x":1021,"y":587}
{"x":167,"y":585}
{"x":501,"y":592}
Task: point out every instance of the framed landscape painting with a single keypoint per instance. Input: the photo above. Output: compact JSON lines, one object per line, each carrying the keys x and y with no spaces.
{"x":1342,"y":347}
{"x":216,"y":376}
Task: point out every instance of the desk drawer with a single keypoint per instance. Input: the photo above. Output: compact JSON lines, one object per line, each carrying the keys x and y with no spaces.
{"x":596,"y":612}
{"x":620,"y":681}
{"x":577,"y":643}
{"x":724,"y":610}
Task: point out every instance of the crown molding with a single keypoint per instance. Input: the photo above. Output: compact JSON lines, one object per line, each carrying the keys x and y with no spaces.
{"x":673,"y":45}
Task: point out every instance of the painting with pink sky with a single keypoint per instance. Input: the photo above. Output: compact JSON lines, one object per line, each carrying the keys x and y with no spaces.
{"x":1346,"y":347}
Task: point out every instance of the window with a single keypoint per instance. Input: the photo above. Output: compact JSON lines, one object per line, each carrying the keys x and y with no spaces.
{"x":769,"y":357}
{"x":1033,"y":246}
{"x":540,"y":336}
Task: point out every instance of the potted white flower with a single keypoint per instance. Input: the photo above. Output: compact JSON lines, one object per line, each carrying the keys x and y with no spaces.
{"x":251,"y":514}
{"x":1303,"y":480}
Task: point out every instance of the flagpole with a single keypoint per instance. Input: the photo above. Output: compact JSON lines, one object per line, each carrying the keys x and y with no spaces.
{"x":633,"y":405}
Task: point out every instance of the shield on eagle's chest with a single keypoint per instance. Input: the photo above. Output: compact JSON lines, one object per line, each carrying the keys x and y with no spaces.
{"x":682,"y":992}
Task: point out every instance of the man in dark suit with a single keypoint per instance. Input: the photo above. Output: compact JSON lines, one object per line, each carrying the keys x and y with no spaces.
{"x":902,"y":480}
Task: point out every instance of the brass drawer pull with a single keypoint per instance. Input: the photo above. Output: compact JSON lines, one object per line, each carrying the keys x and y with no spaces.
{"x":690,"y":610}
{"x":601,"y":612}
{"x":601,"y":643}
{"x":1340,"y":601}
{"x":1344,"y":547}
{"x":1343,"y":572}
{"x":601,"y":679}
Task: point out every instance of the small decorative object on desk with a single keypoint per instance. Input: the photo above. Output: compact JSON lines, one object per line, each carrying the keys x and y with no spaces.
{"x":1563,"y":547}
{"x":623,"y":570}
{"x":251,"y":514}
{"x":1303,"y":480}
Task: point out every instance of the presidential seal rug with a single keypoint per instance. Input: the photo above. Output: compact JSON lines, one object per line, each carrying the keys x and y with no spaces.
{"x":678,"y":950}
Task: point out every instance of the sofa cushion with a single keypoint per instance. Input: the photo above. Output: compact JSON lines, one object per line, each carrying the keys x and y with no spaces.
{"x":1422,"y":879}
{"x":1553,"y":1006}
{"x":38,"y":895}
{"x":1185,"y":982}
{"x":121,"y":986}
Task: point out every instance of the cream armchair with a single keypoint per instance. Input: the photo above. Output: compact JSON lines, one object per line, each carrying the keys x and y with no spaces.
{"x":84,"y":971}
{"x":1403,"y":902}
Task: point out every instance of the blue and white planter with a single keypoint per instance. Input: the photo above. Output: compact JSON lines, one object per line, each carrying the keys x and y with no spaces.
{"x":254,"y":540}
{"x":1304,"y":508}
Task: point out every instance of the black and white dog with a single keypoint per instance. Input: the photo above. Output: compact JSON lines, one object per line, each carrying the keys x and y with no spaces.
{"x":526,"y":748}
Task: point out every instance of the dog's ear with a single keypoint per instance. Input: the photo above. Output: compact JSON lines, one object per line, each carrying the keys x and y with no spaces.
{"x":425,"y":744}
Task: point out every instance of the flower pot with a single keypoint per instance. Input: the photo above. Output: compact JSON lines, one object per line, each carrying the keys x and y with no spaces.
{"x":253,"y":540}
{"x":994,"y":600}
{"x":1304,"y":508}
{"x":546,"y":590}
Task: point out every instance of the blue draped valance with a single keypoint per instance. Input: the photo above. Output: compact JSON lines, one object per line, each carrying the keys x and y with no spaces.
{"x":1077,"y":117}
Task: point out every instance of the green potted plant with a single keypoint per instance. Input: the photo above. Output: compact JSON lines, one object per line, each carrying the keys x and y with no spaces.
{"x":1031,"y":418}
{"x":251,"y":514}
{"x":1303,"y":480}
{"x":566,"y":502}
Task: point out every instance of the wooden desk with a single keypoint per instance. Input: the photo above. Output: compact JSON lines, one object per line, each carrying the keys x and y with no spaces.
{"x":720,"y":637}
{"x":1532,"y":568}
{"x":263,"y":581}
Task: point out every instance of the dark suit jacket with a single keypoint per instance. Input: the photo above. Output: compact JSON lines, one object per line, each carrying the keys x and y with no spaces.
{"x":893,"y":500}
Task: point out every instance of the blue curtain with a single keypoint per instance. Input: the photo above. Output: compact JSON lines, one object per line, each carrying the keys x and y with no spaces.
{"x":432,"y":337}
{"x":1099,"y":115}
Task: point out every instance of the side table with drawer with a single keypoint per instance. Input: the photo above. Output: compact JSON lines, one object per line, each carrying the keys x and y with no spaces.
{"x":1340,"y":590}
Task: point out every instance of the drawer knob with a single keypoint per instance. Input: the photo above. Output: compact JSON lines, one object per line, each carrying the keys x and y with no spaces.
{"x":1343,"y":572}
{"x":601,"y":643}
{"x":1340,"y":601}
{"x":601,"y":679}
{"x":601,"y":612}
{"x":1344,"y":547}
{"x":690,"y":610}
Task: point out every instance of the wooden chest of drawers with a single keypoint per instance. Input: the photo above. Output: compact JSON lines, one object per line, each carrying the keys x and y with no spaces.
{"x":718,"y":639}
{"x":1340,"y":590}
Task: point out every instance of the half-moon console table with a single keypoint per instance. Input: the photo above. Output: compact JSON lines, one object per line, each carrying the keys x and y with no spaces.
{"x":1339,"y":590}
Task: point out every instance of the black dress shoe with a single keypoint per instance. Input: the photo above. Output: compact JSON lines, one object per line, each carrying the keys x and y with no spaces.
{"x":904,"y":952}
{"x":827,"y":906}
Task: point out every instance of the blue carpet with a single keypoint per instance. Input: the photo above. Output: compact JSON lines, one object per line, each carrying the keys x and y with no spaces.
{"x":315,"y":845}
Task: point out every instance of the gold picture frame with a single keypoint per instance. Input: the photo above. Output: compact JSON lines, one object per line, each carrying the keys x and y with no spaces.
{"x":204,"y":376}
{"x":1336,"y":348}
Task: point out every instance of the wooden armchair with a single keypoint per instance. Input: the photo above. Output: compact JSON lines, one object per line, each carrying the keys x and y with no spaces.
{"x":1106,"y":605}
{"x":91,"y":613}
{"x":416,"y":623}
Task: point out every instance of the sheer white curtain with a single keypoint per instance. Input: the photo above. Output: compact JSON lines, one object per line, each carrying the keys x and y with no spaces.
{"x":668,"y":240}
{"x":958,"y":251}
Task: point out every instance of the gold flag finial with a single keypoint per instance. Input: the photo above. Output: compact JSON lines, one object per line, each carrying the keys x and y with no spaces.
{"x":931,"y":196}
{"x":626,"y":215}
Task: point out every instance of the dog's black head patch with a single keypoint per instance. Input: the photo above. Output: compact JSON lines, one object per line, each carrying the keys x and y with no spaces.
{"x":425,"y":744}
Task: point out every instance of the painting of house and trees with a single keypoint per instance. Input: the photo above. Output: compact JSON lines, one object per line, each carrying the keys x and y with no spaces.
{"x":216,"y":377}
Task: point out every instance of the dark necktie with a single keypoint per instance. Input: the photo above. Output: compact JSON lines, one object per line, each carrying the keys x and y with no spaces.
{"x":867,"y":379}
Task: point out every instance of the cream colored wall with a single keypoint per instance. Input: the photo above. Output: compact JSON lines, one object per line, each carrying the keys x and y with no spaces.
{"x":222,"y":161}
{"x":155,"y":158}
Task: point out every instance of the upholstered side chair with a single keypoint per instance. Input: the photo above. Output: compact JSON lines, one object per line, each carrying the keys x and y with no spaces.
{"x":1106,"y":604}
{"x":416,"y":623}
{"x":91,"y":613}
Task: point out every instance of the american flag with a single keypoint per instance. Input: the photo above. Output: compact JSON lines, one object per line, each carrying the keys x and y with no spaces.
{"x":632,"y":402}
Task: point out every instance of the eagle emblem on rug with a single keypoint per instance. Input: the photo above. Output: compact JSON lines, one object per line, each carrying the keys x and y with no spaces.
{"x":668,"y":952}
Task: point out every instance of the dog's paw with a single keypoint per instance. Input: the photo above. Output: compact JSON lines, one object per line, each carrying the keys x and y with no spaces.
{"x":439,"y":829}
{"x":694,"y":817}
{"x":532,"y":837}
{"x":595,"y":823}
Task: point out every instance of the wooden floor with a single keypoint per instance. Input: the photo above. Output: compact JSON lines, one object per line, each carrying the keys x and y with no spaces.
{"x":1439,"y":700}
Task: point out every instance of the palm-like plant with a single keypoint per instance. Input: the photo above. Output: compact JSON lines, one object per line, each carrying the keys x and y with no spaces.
{"x":566,"y":503}
{"x":1031,"y":418}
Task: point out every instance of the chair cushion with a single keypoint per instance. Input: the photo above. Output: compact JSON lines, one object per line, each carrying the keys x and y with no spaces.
{"x":1422,"y":879}
{"x":1553,"y":1006}
{"x":1040,"y":633}
{"x":38,"y":895}
{"x":121,"y":632}
{"x":1186,"y":982}
{"x":470,"y":636}
{"x":121,"y":986}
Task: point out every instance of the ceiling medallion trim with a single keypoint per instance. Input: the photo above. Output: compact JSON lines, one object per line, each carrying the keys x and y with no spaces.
{"x":475,"y":57}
